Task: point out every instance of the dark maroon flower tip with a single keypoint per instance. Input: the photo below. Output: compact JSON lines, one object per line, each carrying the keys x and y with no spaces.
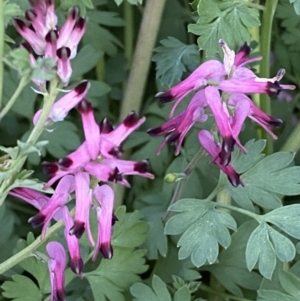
{"x":37,"y":220}
{"x":65,"y":162}
{"x":115,"y":176}
{"x":63,"y":53}
{"x":275,"y":122}
{"x":49,"y":2}
{"x":51,"y":36}
{"x":30,"y":15}
{"x":76,"y":265}
{"x":173,"y":138}
{"x":165,"y":96}
{"x":80,"y":23}
{"x":131,"y":119}
{"x":114,"y":219}
{"x":84,"y":106}
{"x":141,"y":167}
{"x":77,"y":229}
{"x":245,"y":51}
{"x":273,"y":88}
{"x":20,"y":24}
{"x":155,"y":131}
{"x":73,"y":12}
{"x":228,"y":144}
{"x":235,"y":179}
{"x":105,"y":126}
{"x":80,"y":89}
{"x":106,"y":250}
{"x":50,"y":168}
{"x":225,"y":157}
{"x":116,"y":152}
{"x":59,"y":295}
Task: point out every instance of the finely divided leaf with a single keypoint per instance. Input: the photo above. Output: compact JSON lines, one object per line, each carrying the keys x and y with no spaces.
{"x":218,"y":20}
{"x":203,"y":227}
{"x":174,"y":58}
{"x":296,"y":4}
{"x":266,"y":180}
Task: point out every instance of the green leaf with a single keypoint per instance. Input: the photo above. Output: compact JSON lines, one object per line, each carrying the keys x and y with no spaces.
{"x":156,"y":239}
{"x":290,"y":283}
{"x":85,"y":60}
{"x":267,"y":180}
{"x":133,"y":2}
{"x":82,"y":4}
{"x":58,"y":145}
{"x":105,"y":18}
{"x":107,"y":280}
{"x":217,"y":21}
{"x":198,"y":216}
{"x":21,"y":289}
{"x":231,"y":269}
{"x":174,"y":58}
{"x":287,"y":219}
{"x":11,"y":10}
{"x":264,"y":245}
{"x":267,"y":295}
{"x":142,"y":292}
{"x":296,"y":4}
{"x":19,"y":60}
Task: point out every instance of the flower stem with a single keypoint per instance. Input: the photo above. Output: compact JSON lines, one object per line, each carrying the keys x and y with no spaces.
{"x":240,"y":210}
{"x":181,"y":182}
{"x":22,"y":84}
{"x":292,"y":144}
{"x":266,"y":31}
{"x":2,"y":32}
{"x":18,"y":163}
{"x":27,"y":252}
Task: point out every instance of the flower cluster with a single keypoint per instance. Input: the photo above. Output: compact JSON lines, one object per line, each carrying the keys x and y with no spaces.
{"x":230,"y":108}
{"x":84,"y":173}
{"x":45,"y":38}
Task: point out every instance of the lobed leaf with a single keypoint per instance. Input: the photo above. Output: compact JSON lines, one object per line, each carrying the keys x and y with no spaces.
{"x":173,"y":59}
{"x":198,"y":216}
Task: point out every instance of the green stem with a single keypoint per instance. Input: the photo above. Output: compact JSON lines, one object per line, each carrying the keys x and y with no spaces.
{"x":292,"y":144}
{"x":2,"y":33}
{"x":128,"y":18}
{"x":181,"y":182}
{"x":22,"y":84}
{"x":226,"y":297}
{"x":27,"y":252}
{"x":18,"y":163}
{"x":255,"y":5}
{"x":266,"y":31}
{"x":240,"y":210}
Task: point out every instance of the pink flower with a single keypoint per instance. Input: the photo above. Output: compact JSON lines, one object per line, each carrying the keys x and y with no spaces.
{"x":207,"y":142}
{"x":47,"y":40}
{"x":105,"y":197}
{"x":56,"y":266}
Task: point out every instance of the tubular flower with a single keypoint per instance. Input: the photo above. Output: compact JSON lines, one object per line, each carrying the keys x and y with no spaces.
{"x":47,"y":40}
{"x":229,"y":109}
{"x":56,"y":266}
{"x":99,"y":155}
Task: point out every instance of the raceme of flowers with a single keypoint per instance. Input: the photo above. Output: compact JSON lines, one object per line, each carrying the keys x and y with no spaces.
{"x":49,"y":41}
{"x":221,"y":87}
{"x":83,"y":174}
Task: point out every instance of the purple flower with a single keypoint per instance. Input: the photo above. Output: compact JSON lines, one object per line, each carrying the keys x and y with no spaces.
{"x":47,"y":40}
{"x":61,"y":107}
{"x":207,"y":141}
{"x":56,"y":266}
{"x":177,"y":127}
{"x":105,"y":197}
